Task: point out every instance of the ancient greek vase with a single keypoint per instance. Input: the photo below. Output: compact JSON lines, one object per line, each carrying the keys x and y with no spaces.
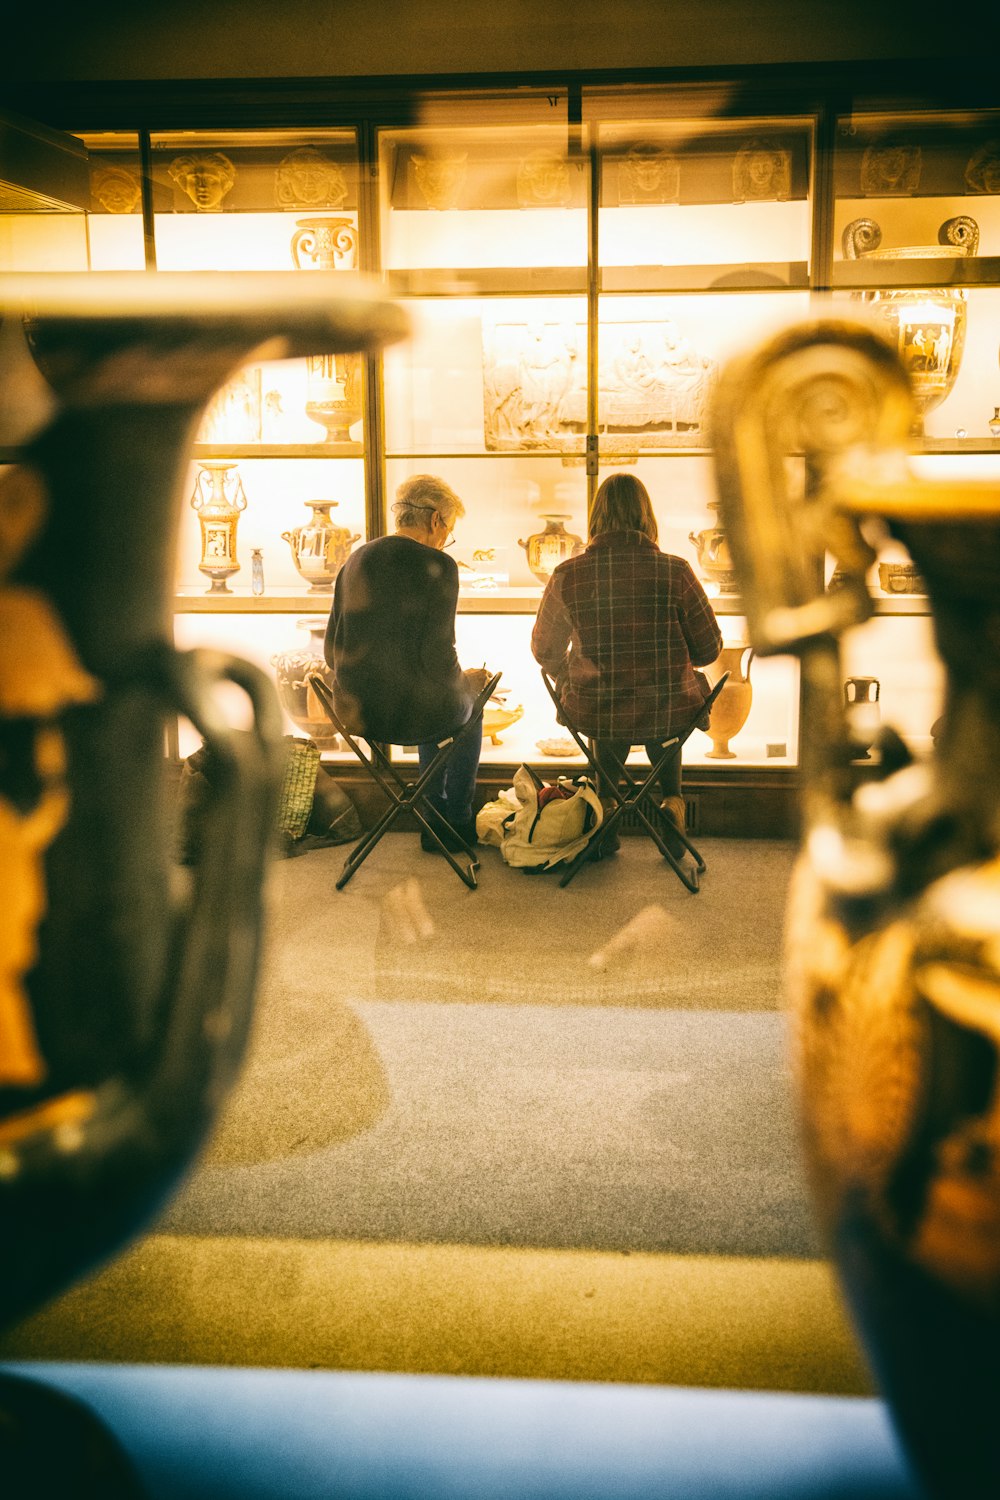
{"x":333,"y":394}
{"x":219,"y":500}
{"x":545,"y":550}
{"x":714,"y":558}
{"x":333,"y":381}
{"x":125,"y":997}
{"x":292,"y":669}
{"x":326,"y":244}
{"x":861,"y":697}
{"x":893,"y":926}
{"x":926,"y":325}
{"x":731,"y":709}
{"x":320,"y":548}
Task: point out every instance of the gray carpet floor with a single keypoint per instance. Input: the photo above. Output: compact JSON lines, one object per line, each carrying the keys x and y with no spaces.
{"x":597,"y":1067}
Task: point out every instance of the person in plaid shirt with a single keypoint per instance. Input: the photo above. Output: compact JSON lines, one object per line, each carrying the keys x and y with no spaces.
{"x":622,"y":628}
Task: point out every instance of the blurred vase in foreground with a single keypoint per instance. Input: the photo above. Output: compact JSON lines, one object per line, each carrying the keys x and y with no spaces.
{"x":893,"y":929}
{"x":124,"y":996}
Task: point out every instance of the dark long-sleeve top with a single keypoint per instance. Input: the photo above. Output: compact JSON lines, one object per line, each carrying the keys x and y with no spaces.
{"x":390,"y":643}
{"x":622,"y":627}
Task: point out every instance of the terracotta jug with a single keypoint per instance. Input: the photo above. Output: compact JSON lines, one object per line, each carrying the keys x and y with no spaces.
{"x":732,"y":707}
{"x":545,"y":550}
{"x":292,"y":670}
{"x":893,"y":927}
{"x":321,"y":547}
{"x":714,"y":557}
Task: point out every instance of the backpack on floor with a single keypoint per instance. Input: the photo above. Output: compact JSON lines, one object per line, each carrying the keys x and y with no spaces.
{"x":553,"y":822}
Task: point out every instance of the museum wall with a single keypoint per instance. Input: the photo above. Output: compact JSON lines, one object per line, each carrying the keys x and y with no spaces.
{"x":226,"y":39}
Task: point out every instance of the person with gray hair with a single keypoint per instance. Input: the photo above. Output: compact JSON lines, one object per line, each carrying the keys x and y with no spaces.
{"x":390,"y":644}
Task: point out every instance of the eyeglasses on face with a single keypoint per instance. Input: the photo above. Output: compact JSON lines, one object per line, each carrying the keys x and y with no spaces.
{"x":433,"y":511}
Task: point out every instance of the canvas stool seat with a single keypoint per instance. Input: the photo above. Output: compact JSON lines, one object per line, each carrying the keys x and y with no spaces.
{"x":633,"y":791}
{"x":407,"y":795}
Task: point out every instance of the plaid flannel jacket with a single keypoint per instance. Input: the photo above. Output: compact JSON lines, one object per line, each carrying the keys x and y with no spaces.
{"x":622,"y":627}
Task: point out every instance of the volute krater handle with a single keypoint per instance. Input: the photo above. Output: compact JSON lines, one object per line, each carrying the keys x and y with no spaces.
{"x":892,"y":948}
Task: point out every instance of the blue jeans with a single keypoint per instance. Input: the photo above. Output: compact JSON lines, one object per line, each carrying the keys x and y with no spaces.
{"x":454,"y":786}
{"x":670,"y":775}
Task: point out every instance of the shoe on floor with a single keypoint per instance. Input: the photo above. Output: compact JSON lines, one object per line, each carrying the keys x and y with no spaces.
{"x":603,"y":847}
{"x":466,"y":836}
{"x":674,"y":809}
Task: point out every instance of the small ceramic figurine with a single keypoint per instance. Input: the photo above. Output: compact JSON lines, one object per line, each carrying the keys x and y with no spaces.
{"x":497,"y":716}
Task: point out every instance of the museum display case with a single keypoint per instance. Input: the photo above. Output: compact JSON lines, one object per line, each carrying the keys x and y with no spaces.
{"x":578,"y":265}
{"x":916,"y":238}
{"x":44,"y":197}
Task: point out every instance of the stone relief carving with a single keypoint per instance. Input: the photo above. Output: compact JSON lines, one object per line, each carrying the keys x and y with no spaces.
{"x":205,"y":176}
{"x":305,"y":178}
{"x":440,"y":179}
{"x":761,"y":173}
{"x":116,"y":189}
{"x":648,"y":174}
{"x":542,"y":181}
{"x":652,"y":385}
{"x":982,"y":171}
{"x":891,"y":171}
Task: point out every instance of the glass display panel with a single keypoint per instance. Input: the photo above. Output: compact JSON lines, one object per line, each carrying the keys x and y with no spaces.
{"x":34,"y":240}
{"x":485,"y":375}
{"x":43,"y":198}
{"x":114,"y":224}
{"x":910,"y":173}
{"x":898,"y":680}
{"x":949,"y":339}
{"x":290,"y":404}
{"x":266,"y":200}
{"x":523,"y":515}
{"x":299,"y":189}
{"x":490,"y":183}
{"x":284,"y":647}
{"x":659,"y":357}
{"x":701,"y":193}
{"x":271,"y":500}
{"x":520,"y":725}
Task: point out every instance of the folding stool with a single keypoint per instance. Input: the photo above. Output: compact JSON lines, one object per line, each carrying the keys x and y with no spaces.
{"x":403,"y":795}
{"x":638,"y":794}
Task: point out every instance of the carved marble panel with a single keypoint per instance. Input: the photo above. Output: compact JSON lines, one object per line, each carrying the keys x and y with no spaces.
{"x":306,"y":178}
{"x":762,"y":172}
{"x":891,"y":171}
{"x":116,"y":189}
{"x":653,"y":385}
{"x":982,"y":171}
{"x":648,"y":173}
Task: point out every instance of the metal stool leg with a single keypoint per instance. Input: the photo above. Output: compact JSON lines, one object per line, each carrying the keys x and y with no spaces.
{"x":637,"y":794}
{"x":407,"y":796}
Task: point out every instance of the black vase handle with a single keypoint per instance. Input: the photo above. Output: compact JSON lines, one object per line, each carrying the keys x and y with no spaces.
{"x":77,"y":1193}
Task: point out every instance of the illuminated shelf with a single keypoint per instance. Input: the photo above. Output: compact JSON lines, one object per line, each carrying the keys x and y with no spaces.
{"x":238,"y":451}
{"x":242,"y":602}
{"x":510,"y":601}
{"x":960,"y":270}
{"x":572,"y":280}
{"x":434,"y":281}
{"x":770,"y":276}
